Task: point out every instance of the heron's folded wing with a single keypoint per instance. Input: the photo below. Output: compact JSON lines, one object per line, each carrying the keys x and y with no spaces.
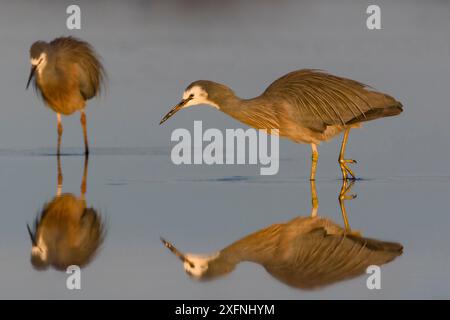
{"x":91,"y":74}
{"x":321,"y":99}
{"x":317,"y":258}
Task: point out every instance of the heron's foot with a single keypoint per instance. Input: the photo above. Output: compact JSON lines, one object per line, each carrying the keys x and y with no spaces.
{"x":344,"y":196}
{"x":355,"y":233}
{"x":347,"y":173}
{"x":345,"y":189}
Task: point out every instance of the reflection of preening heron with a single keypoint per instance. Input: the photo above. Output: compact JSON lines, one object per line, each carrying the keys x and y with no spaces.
{"x":306,"y":106}
{"x":306,"y":253}
{"x":68,"y":73}
{"x":66,"y":232}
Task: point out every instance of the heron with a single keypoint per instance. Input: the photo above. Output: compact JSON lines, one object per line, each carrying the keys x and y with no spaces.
{"x":67,"y":231}
{"x":305,"y":106}
{"x":67,"y":72}
{"x":307,"y":252}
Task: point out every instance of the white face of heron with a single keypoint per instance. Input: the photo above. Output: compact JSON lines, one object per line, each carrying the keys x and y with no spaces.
{"x":40,"y":62}
{"x":197,"y":95}
{"x":40,"y":250}
{"x":199,"y":264}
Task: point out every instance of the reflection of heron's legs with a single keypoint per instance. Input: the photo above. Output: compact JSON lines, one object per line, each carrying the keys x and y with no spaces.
{"x":314,"y":199}
{"x":344,"y":162}
{"x":83,"y":124}
{"x":60,"y":177}
{"x":85,"y":174}
{"x":346,"y":187}
{"x":314,"y":159}
{"x":60,"y":132}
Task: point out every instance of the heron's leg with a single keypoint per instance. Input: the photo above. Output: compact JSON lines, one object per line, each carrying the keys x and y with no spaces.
{"x":314,"y":159}
{"x":85,"y":174}
{"x":314,"y":199}
{"x":343,"y":195}
{"x":60,"y":132}
{"x":83,"y":124}
{"x":344,"y":162}
{"x":60,"y":177}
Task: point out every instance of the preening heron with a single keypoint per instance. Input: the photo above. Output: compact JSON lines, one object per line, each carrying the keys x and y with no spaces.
{"x":67,"y":73}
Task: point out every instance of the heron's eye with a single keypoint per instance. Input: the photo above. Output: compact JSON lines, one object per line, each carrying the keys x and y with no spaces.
{"x":191,"y":96}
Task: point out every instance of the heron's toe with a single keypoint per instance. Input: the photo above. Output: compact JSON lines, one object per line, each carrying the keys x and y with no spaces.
{"x":343,"y":161}
{"x":347,"y":173}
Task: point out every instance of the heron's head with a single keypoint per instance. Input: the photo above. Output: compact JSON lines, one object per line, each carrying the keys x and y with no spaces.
{"x":196,"y":266}
{"x":201,"y":92}
{"x":38,"y":58}
{"x":39,"y":258}
{"x":39,"y":251}
{"x":200,"y":267}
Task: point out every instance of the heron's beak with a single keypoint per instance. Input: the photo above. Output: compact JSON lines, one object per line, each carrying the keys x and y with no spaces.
{"x":175,"y":251}
{"x":32,"y":237}
{"x":32,"y":71}
{"x":175,"y":110}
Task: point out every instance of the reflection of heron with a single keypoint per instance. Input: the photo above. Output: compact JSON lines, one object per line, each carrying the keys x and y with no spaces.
{"x":66,"y":232}
{"x":306,"y":106}
{"x":306,"y":253}
{"x":68,"y":73}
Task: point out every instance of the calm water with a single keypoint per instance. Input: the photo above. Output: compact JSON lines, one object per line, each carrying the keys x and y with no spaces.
{"x":152,"y":51}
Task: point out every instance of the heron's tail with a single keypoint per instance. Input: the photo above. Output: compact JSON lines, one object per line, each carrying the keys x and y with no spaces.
{"x":376,"y":113}
{"x":378,"y":245}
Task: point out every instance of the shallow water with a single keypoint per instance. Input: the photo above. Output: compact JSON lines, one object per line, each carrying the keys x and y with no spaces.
{"x":141,"y":203}
{"x":152,"y":50}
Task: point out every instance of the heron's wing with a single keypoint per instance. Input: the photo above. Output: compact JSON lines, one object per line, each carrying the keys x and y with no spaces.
{"x":320,"y":99}
{"x":90,"y":72}
{"x":318,"y":258}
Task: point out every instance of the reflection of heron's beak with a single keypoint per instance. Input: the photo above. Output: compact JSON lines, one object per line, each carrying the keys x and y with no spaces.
{"x":175,"y":110}
{"x":175,"y":251}
{"x":33,"y":239}
{"x":32,"y":71}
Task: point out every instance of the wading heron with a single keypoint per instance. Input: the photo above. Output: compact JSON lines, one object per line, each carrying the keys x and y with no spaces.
{"x":305,"y":106}
{"x":305,"y":253}
{"x":67,"y":73}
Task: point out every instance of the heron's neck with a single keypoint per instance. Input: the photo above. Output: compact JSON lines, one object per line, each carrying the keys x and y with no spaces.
{"x":227,"y":102}
{"x":252,"y":112}
{"x":256,"y":247}
{"x":234,"y":106}
{"x":46,"y":72}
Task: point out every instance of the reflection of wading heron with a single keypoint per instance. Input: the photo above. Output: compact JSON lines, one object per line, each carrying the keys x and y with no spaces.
{"x":306,"y":106}
{"x":306,"y":253}
{"x":67,"y":232}
{"x":68,"y":72}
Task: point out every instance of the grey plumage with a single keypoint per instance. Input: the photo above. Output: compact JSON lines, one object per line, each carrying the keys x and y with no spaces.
{"x":73,"y":73}
{"x":71,"y":233}
{"x":67,"y":231}
{"x":68,"y":72}
{"x":305,"y":106}
{"x":306,"y":253}
{"x":323,"y":100}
